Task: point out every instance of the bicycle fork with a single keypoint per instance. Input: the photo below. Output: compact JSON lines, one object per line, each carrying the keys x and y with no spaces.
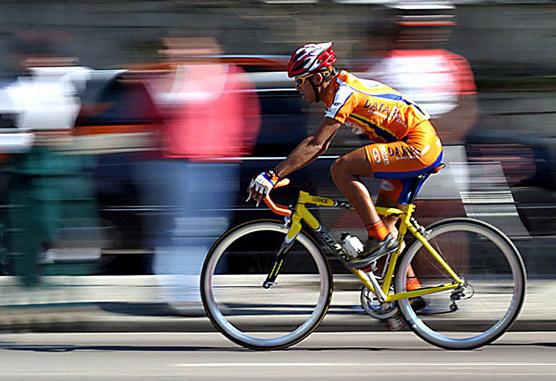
{"x":278,"y":262}
{"x":368,"y":280}
{"x":294,"y":224}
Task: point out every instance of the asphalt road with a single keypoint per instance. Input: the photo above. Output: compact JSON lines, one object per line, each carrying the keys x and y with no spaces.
{"x":324,"y":356}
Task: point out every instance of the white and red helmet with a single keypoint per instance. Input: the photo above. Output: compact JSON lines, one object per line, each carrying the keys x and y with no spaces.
{"x":311,"y":58}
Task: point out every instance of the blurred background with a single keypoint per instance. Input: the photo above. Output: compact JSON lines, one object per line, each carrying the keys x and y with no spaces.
{"x":130,"y":130}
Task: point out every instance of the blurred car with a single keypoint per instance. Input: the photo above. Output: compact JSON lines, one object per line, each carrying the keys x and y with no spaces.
{"x":118,"y":125}
{"x":529,"y":164}
{"x":118,"y":122}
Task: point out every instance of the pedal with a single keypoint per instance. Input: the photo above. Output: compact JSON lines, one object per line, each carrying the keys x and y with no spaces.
{"x":417,"y":304}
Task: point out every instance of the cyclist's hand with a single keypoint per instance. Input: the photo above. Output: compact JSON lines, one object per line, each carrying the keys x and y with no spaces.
{"x":261,"y":185}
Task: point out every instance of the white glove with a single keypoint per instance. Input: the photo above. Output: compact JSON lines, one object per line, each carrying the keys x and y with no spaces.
{"x":261,"y":185}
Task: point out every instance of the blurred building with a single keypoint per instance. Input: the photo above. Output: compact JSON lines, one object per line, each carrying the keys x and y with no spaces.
{"x":508,"y":46}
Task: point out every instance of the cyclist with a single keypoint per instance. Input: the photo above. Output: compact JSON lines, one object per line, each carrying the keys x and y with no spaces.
{"x":406,"y":143}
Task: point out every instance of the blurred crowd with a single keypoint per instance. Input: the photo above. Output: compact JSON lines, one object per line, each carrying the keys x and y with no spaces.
{"x":155,"y":156}
{"x":198,"y":116}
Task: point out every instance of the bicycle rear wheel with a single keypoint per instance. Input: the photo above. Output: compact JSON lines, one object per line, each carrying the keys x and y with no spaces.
{"x":265,"y":318}
{"x":494,"y":290}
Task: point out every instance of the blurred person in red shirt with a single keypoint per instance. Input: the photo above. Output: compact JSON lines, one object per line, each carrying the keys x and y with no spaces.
{"x":411,"y":56}
{"x":211,"y":120}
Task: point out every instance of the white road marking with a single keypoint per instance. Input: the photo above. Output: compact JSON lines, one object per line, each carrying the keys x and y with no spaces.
{"x":343,"y":364}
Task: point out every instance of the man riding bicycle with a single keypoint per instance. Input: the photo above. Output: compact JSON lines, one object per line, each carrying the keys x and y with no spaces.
{"x":406,"y":143}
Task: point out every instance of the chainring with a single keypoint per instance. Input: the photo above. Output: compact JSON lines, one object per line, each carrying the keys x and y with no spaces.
{"x":374,"y":308}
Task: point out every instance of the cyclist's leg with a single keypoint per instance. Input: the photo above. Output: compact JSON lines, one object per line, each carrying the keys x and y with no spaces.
{"x":388,"y":196}
{"x":396,"y":161}
{"x":385,"y":200}
{"x":399,"y":180}
{"x":346,"y":172}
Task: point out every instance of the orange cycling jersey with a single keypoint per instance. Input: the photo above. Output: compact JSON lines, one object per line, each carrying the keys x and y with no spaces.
{"x":407,"y":144}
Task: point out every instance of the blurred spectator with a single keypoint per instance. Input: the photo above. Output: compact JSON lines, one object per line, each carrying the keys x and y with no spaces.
{"x":411,"y":57}
{"x":118,"y":124}
{"x":46,"y":191}
{"x":211,"y":120}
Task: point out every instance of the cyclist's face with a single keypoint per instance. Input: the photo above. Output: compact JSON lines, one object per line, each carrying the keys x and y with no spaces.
{"x":304,"y":87}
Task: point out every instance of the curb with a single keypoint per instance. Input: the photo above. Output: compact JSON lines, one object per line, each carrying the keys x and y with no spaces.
{"x":92,"y":318}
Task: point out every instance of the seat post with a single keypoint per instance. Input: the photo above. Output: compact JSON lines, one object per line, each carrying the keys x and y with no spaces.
{"x":418,"y":182}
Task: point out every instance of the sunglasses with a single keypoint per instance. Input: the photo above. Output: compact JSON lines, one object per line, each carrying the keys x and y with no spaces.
{"x":300,"y":81}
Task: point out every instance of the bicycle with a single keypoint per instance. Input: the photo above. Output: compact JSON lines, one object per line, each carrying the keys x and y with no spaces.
{"x":455,"y":260}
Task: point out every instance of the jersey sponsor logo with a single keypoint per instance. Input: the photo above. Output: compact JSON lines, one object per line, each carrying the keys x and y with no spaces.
{"x":399,"y":152}
{"x":404,"y":152}
{"x":394,"y":151}
{"x":394,"y":116}
{"x":377,"y":107}
{"x":376,"y":155}
{"x":384,"y":154}
{"x":340,"y":98}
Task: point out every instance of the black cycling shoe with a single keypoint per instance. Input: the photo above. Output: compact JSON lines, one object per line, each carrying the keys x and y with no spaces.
{"x":373,"y":250}
{"x":417,"y":304}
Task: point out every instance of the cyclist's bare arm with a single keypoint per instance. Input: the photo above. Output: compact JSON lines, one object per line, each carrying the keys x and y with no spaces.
{"x":309,"y":149}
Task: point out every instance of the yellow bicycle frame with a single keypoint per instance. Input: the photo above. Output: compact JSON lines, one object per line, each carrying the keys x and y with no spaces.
{"x":301,"y":213}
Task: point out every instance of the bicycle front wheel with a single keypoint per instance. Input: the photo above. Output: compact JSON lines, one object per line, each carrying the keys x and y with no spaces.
{"x":491,"y":298}
{"x":265,"y":318}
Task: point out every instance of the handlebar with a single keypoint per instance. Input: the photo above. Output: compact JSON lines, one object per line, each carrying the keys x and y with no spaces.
{"x":281,"y":210}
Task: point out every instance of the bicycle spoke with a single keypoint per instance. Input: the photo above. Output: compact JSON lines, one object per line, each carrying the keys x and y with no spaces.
{"x":265,"y":317}
{"x":492,"y":293}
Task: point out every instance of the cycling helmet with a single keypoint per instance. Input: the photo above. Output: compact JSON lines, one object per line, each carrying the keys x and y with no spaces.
{"x":311,"y":58}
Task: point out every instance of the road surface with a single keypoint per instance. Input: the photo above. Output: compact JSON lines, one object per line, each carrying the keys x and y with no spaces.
{"x":323,"y":356}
